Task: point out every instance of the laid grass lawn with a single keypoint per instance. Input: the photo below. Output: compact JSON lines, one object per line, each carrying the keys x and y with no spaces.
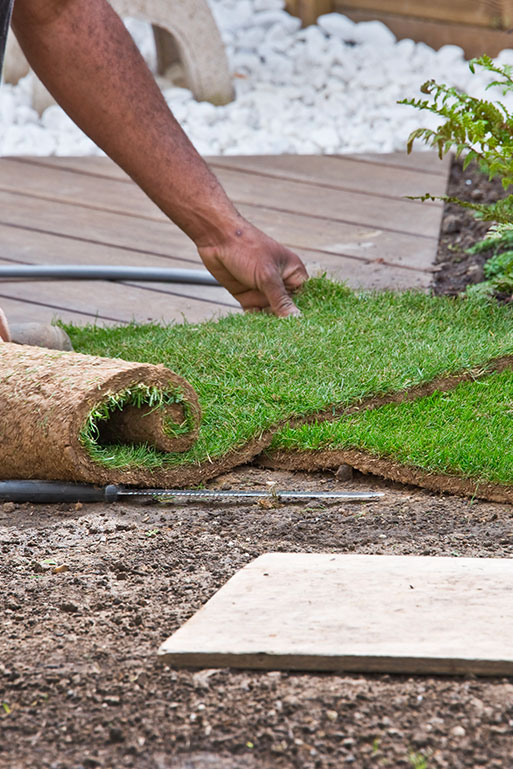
{"x":252,"y":372}
{"x":467,"y":431}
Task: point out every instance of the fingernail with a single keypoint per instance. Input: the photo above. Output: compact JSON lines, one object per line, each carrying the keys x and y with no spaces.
{"x":293,"y":313}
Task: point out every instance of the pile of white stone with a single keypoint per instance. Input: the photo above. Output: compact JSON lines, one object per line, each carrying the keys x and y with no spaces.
{"x":331,"y":87}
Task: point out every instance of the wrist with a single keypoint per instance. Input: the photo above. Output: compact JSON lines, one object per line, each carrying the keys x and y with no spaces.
{"x":219,"y":230}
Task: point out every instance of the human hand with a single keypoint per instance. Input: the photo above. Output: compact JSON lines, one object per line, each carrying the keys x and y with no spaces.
{"x":258,"y":272}
{"x":4,"y":328}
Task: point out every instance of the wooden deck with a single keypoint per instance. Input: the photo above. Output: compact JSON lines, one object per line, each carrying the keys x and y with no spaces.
{"x":345,"y":215}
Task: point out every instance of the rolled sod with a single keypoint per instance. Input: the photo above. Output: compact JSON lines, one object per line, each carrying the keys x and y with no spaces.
{"x":61,"y":411}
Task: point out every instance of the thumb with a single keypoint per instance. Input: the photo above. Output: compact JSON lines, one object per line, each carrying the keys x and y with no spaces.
{"x":279,"y":300}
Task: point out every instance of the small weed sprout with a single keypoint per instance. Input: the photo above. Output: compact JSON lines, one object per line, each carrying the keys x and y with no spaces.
{"x":418,"y":761}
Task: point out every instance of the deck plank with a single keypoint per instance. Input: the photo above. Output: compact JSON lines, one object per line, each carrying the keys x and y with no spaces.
{"x":245,"y":189}
{"x":346,"y":174}
{"x":422,"y":162}
{"x":23,"y":310}
{"x":426,"y":162}
{"x":345,"y":215}
{"x":132,"y":234}
{"x":37,"y":246}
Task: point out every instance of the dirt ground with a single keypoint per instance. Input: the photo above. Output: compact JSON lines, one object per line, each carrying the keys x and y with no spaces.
{"x":79,"y":682}
{"x":460,"y":230}
{"x":78,"y":668}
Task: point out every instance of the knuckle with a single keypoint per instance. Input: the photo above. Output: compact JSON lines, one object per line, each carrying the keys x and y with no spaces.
{"x":268,"y":273}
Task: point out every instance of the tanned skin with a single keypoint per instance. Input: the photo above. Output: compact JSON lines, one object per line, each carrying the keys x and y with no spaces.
{"x":88,"y":61}
{"x":4,"y":328}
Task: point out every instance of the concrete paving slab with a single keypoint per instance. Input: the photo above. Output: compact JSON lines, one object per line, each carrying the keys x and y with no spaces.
{"x":366,"y":613}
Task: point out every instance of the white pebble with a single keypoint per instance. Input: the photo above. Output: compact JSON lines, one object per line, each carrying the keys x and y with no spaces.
{"x":326,"y":136}
{"x":450,"y":54}
{"x":55,"y":119}
{"x":7,"y":106}
{"x":375,"y":33}
{"x":338,"y":25}
{"x":268,"y":5}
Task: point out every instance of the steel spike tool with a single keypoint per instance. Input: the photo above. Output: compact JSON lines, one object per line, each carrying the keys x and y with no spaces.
{"x":51,"y":492}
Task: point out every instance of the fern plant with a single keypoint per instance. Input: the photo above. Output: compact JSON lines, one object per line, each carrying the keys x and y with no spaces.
{"x":482,"y":131}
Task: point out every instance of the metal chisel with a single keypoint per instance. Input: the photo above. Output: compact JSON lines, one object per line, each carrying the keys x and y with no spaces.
{"x":51,"y":492}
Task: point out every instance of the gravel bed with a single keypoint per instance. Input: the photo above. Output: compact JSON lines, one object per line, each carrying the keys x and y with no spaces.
{"x":329,"y":88}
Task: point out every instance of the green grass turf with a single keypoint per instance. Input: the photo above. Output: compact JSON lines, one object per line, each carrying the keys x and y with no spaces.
{"x":253,"y":371}
{"x":465,"y":432}
{"x":140,"y":396}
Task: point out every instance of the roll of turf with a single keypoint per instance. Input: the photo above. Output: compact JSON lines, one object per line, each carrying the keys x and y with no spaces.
{"x":61,"y":413}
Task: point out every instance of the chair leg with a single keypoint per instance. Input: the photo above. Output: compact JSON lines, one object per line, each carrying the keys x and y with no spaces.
{"x":15,"y":64}
{"x":196,"y":41}
{"x":167,"y":50}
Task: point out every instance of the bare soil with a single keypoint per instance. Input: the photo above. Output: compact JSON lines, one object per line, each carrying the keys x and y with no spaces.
{"x":460,"y":230}
{"x":78,"y":671}
{"x":90,"y":592}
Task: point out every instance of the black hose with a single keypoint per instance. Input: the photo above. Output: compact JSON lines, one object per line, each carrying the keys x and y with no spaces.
{"x":105,"y":272}
{"x":51,"y":492}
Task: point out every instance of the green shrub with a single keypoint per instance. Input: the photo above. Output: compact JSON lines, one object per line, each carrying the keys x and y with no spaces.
{"x":482,"y":131}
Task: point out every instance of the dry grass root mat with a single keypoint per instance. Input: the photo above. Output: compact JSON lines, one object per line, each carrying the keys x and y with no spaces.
{"x":412,"y":387}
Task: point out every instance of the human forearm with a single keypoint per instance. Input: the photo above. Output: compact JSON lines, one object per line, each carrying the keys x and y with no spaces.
{"x":85,"y":57}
